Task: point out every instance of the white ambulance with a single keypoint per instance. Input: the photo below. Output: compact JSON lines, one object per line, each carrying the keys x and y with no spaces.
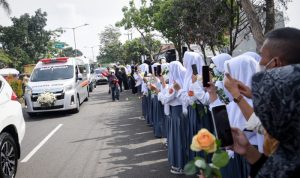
{"x":57,"y":84}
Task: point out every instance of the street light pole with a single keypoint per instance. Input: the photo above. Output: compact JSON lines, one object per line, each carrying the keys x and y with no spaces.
{"x":93,"y":53}
{"x":92,"y":47}
{"x":74,"y":28}
{"x":74,"y":42}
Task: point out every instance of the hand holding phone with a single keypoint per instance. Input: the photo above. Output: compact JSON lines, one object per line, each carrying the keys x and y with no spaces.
{"x":222,"y":125}
{"x":194,"y":67}
{"x":205,"y":76}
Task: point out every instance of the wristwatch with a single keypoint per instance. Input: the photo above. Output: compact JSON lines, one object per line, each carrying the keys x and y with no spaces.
{"x":238,"y":99}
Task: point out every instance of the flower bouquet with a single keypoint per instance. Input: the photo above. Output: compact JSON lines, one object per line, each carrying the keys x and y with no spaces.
{"x":205,"y":141}
{"x":46,"y":99}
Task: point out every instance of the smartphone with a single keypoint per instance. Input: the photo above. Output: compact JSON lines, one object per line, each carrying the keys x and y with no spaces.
{"x":150,"y":69}
{"x":158,"y":70}
{"x":194,"y":67}
{"x":222,"y":125}
{"x":155,"y":71}
{"x":205,"y":76}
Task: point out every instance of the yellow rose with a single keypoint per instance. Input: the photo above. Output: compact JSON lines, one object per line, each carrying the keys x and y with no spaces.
{"x":204,"y":140}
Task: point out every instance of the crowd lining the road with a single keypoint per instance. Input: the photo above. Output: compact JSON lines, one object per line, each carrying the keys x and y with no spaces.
{"x":261,"y":94}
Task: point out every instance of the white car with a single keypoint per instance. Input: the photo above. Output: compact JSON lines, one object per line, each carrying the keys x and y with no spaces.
{"x":57,"y":84}
{"x":12,"y":130}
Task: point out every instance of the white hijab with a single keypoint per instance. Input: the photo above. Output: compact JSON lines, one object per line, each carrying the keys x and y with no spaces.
{"x":154,"y":65}
{"x":144,"y":68}
{"x":255,"y":56}
{"x":176,"y":73}
{"x":128,"y":69}
{"x":242,"y":68}
{"x":189,"y":59}
{"x":219,"y":61}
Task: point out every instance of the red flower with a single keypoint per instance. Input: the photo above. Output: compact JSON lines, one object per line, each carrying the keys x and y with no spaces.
{"x":171,"y":90}
{"x":191,"y":93}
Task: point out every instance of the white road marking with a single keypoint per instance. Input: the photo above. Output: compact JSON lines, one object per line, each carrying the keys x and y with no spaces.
{"x":40,"y":144}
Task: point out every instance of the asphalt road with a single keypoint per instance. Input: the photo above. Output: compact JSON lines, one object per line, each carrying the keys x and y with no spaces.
{"x":105,"y":139}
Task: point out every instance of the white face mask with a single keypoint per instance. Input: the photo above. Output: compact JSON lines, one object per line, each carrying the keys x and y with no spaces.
{"x":261,"y":68}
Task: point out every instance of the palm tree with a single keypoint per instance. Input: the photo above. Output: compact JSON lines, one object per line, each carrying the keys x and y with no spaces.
{"x":5,"y":6}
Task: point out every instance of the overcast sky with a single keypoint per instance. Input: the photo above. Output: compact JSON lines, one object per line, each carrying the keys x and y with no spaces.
{"x":96,"y":13}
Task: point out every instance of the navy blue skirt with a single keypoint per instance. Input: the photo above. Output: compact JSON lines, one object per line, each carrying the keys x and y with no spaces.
{"x":236,"y":168}
{"x":149,"y":106}
{"x":198,"y":118}
{"x":158,"y":115}
{"x":144,"y":106}
{"x":166,"y":127}
{"x":177,"y":138}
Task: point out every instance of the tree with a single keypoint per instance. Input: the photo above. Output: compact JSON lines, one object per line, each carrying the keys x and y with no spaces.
{"x":52,"y":51}
{"x":110,"y":45}
{"x":70,"y":52}
{"x":253,"y":15}
{"x":167,"y":20}
{"x":5,"y":59}
{"x":26,"y":40}
{"x":134,"y":49}
{"x":139,"y":19}
{"x":5,"y":6}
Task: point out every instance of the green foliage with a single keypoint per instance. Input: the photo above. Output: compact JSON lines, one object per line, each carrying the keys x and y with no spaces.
{"x":16,"y":85}
{"x":140,"y":19}
{"x":51,"y":50}
{"x":26,"y":40}
{"x":220,"y":158}
{"x":190,"y":168}
{"x":112,"y":50}
{"x":5,"y":59}
{"x":70,"y":52}
{"x":167,"y":19}
{"x":110,"y":46}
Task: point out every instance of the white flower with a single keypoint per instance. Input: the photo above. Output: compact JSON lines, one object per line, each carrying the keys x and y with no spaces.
{"x":46,"y":98}
{"x":212,"y":65}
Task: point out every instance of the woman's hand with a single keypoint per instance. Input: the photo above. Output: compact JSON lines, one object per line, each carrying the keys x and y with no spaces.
{"x":194,"y":78}
{"x":236,"y":87}
{"x":212,"y":91}
{"x":145,"y":79}
{"x":245,"y":90}
{"x":176,"y":86}
{"x":231,"y":85}
{"x":162,"y":81}
{"x":241,"y":144}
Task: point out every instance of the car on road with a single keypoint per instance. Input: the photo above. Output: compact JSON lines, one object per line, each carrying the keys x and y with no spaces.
{"x":12,"y":130}
{"x":90,"y":65}
{"x":100,"y":78}
{"x":57,"y":84}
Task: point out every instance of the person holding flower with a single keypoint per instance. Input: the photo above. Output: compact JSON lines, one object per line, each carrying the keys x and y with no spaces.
{"x":176,"y":148}
{"x":157,"y":112}
{"x":194,"y":99}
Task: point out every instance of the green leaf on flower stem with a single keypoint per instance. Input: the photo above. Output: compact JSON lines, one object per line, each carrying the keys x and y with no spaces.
{"x":190,"y":168}
{"x":216,"y":173}
{"x":208,"y":172}
{"x":194,"y":106}
{"x":200,"y":163}
{"x":220,"y":159}
{"x":218,"y":144}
